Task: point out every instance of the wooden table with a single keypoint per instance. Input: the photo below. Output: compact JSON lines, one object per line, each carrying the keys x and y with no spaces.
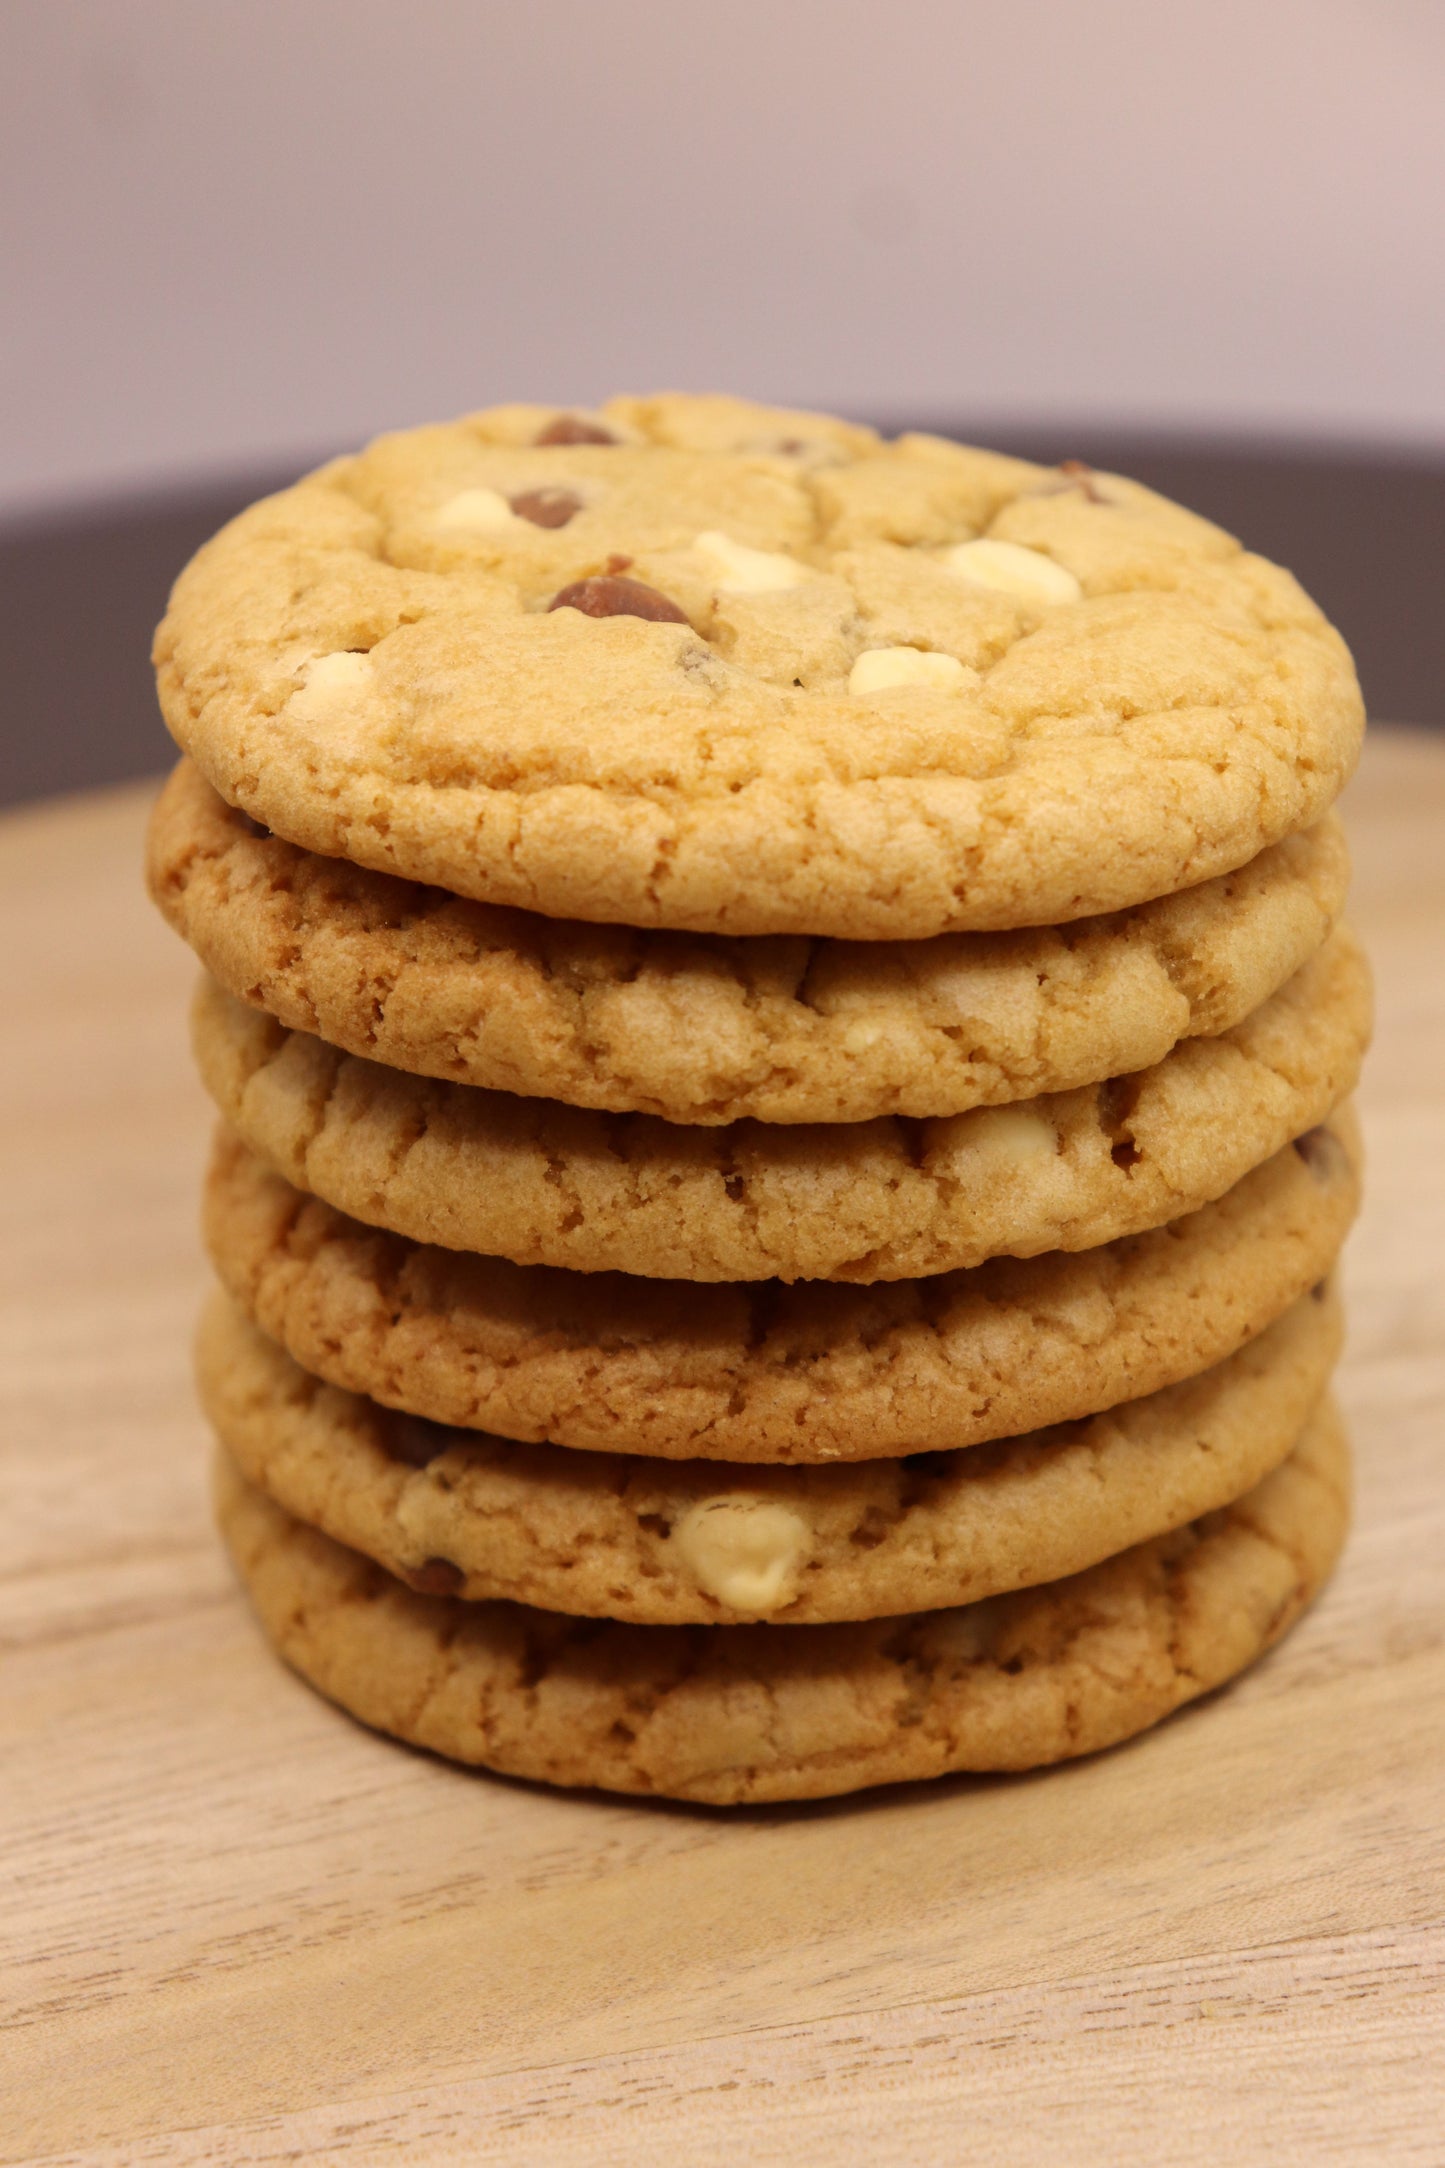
{"x":239,"y":1928}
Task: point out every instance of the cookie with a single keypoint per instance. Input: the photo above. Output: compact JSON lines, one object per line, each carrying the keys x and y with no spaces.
{"x":763,"y":1373}
{"x":735,"y":1714}
{"x":546,"y":1184}
{"x":609,"y":1535}
{"x":694,"y":1028}
{"x":692,"y":664}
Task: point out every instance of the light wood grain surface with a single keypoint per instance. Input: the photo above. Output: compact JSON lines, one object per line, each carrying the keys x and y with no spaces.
{"x":238,"y":1928}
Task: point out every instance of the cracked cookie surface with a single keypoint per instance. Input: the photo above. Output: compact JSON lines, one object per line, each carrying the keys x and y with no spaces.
{"x":736,"y":1714}
{"x":734,"y":671}
{"x":609,"y":1535}
{"x":542,"y":1183}
{"x":694,"y":1028}
{"x":810,"y":1373}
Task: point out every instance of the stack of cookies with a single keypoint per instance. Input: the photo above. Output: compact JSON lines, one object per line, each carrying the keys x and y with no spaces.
{"x":782,"y":1034}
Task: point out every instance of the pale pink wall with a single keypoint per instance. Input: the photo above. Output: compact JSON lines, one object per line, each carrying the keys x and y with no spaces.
{"x":238,"y":229}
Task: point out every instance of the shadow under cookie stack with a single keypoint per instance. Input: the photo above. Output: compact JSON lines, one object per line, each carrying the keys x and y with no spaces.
{"x":783,"y":1039}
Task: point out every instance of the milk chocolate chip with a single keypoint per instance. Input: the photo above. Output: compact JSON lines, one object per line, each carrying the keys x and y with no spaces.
{"x":416,"y":1440}
{"x":435,"y":1577}
{"x":1082,"y":477}
{"x":547,"y":507}
{"x":609,"y":595}
{"x":1118,"y":1097}
{"x":1077,"y":474}
{"x":574,"y":429}
{"x":1321,"y":1152}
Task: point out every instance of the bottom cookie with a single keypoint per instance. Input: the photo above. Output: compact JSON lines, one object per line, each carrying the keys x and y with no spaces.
{"x":731,"y":1715}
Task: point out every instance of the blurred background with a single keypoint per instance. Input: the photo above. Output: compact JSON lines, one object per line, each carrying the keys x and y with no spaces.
{"x":1201,"y":240}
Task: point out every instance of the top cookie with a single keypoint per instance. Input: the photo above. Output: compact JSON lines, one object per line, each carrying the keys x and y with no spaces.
{"x":699,"y":664}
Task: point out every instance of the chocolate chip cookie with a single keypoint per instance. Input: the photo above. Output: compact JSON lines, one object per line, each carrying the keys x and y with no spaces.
{"x":694,"y":1028}
{"x":736,"y":1714}
{"x":546,"y":1184}
{"x":766,"y":1373}
{"x":694,"y":664}
{"x":610,"y":1535}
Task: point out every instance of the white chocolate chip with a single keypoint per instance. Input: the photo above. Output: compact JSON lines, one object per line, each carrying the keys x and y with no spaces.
{"x":859,"y":1037}
{"x":333,"y":686}
{"x":1013,"y":570}
{"x":739,"y":570}
{"x":477,"y":511}
{"x":880,"y":669}
{"x":955,"y":984}
{"x":744,"y":1551}
{"x":1012,"y":1135}
{"x":426,"y":1515}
